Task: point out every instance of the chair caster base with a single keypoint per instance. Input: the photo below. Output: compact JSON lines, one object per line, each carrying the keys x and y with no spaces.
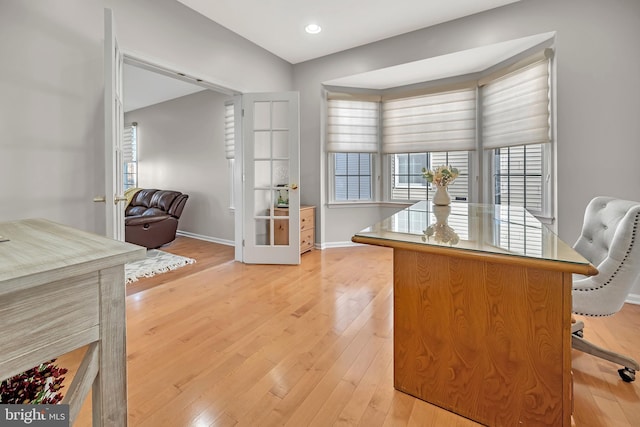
{"x":627,"y":374}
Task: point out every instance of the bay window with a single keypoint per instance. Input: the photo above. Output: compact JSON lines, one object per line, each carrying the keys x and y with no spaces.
{"x":499,"y":125}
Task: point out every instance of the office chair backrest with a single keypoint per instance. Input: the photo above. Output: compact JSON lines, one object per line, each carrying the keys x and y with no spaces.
{"x":609,"y":241}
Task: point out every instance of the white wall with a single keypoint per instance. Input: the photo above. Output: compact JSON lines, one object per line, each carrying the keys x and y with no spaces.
{"x":51,"y":112}
{"x":598,"y":91}
{"x":181,"y":147}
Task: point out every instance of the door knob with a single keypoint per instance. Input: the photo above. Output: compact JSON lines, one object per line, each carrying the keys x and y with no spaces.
{"x":117,"y":199}
{"x":100,"y":199}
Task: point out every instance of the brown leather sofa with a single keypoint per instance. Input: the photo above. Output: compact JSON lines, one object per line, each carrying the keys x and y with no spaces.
{"x":151,"y":218}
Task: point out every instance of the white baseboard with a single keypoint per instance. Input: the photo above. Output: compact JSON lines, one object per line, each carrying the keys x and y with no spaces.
{"x":330,"y":245}
{"x":633,"y":299}
{"x":206,"y":238}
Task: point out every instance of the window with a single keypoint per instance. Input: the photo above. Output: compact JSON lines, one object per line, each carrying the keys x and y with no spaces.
{"x":352,"y":175}
{"x":407,"y":182}
{"x":516,"y":130}
{"x":130,"y":155}
{"x":459,"y":190}
{"x":352,"y":138}
{"x":499,"y":125}
{"x":518,"y":176}
{"x":430,"y":126}
{"x":230,"y":146}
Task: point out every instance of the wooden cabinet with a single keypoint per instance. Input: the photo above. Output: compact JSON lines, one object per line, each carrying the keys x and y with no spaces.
{"x":307,"y":228}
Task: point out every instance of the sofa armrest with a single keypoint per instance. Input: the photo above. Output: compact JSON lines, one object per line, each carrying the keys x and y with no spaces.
{"x":144,"y":219}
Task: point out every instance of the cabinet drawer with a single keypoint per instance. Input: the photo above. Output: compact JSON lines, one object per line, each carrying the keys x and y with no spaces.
{"x":307,"y":219}
{"x":306,"y":240}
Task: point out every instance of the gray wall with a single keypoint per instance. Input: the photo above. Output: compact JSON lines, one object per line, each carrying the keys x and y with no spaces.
{"x":181,"y":147}
{"x":598,"y":93}
{"x":51,"y":112}
{"x":52,"y":80}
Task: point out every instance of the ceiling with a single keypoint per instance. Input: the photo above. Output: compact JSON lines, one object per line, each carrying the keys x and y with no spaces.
{"x":462,"y":63}
{"x":143,"y":88}
{"x":278,"y":25}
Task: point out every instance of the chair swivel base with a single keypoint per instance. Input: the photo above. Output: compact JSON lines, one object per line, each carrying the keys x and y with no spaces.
{"x":630,"y":366}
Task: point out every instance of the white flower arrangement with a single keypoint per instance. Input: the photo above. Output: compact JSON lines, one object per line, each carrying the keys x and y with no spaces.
{"x":442,"y":175}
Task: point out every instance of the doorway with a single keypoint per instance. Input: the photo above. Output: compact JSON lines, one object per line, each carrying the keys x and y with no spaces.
{"x":181,"y":144}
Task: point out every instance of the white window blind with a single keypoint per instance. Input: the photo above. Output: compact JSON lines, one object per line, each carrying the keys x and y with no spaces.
{"x":129,"y":143}
{"x":444,"y":121}
{"x":229,"y":130}
{"x":130,"y":155}
{"x":352,"y":126}
{"x":515,"y":108}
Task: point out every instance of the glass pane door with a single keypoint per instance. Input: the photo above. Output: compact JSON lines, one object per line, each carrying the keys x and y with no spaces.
{"x":272,"y":202}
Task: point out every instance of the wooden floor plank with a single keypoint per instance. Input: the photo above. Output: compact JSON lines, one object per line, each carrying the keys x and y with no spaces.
{"x":223,"y":343}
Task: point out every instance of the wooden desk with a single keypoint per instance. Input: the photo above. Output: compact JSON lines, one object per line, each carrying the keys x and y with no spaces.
{"x":482,"y":317}
{"x":61,"y":289}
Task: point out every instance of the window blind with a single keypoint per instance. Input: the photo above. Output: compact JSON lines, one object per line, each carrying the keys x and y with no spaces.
{"x":444,"y":121}
{"x":129,"y":145}
{"x":515,"y":108}
{"x":352,"y":126}
{"x":229,"y":130}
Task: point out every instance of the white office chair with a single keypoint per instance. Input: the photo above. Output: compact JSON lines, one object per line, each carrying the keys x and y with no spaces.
{"x":609,"y":240}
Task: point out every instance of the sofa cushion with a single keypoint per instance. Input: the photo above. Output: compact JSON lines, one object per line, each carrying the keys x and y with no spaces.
{"x":163,"y":199}
{"x":143,"y":198}
{"x":135,"y":210}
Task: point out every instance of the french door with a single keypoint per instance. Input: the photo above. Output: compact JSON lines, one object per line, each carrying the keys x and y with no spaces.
{"x":114,"y":128}
{"x":271,"y":201}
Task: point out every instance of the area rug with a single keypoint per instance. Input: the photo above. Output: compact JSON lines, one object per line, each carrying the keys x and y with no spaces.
{"x":156,"y":262}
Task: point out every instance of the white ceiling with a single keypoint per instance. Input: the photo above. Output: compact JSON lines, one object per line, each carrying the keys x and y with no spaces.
{"x":278,"y":25}
{"x":442,"y":67}
{"x":143,"y":88}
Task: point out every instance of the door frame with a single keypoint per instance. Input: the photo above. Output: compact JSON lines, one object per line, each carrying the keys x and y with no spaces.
{"x":162,"y":67}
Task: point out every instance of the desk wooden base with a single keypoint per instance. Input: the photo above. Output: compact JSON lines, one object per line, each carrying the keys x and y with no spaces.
{"x":486,"y":340}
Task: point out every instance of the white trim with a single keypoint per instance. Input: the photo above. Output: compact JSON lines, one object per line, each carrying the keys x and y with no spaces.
{"x":633,"y":299}
{"x":165,"y":68}
{"x":331,"y":245}
{"x":373,"y":162}
{"x":206,"y":238}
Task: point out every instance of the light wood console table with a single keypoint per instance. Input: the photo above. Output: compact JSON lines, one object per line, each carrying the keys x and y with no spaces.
{"x":61,"y":289}
{"x":482,"y":311}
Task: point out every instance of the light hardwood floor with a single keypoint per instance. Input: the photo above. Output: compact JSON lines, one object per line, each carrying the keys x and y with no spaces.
{"x":219,"y":343}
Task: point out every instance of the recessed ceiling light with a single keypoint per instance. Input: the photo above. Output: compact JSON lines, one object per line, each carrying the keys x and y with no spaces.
{"x":313,"y":28}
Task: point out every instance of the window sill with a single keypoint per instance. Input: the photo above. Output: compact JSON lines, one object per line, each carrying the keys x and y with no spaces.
{"x":368,"y":204}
